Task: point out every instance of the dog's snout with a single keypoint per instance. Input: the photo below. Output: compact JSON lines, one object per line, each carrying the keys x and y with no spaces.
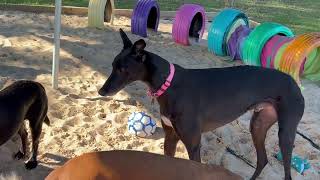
{"x":107,"y":91}
{"x":102,"y":92}
{"x":113,"y":85}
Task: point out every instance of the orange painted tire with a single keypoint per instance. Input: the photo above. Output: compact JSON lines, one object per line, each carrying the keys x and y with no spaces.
{"x":294,"y":55}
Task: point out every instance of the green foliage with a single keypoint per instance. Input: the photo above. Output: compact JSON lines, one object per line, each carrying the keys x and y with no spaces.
{"x":301,"y":16}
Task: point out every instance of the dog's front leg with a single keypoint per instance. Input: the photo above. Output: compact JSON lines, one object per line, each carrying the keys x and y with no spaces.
{"x":193,"y":148}
{"x":24,"y":138}
{"x":170,"y":141}
{"x":190,"y":135}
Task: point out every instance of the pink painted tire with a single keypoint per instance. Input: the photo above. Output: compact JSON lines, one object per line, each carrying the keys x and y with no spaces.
{"x":183,"y":22}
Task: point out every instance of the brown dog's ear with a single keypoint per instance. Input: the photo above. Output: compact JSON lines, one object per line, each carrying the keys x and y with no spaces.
{"x":138,"y":49}
{"x":126,"y":41}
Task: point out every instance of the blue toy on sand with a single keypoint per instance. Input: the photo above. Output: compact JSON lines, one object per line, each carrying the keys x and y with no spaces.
{"x":299,"y":164}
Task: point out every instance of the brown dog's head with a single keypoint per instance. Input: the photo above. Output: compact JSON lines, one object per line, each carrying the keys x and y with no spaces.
{"x":128,"y":66}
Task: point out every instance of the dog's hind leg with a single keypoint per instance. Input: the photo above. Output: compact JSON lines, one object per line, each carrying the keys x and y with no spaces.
{"x":37,"y":115}
{"x":36,"y":129}
{"x":24,"y":139}
{"x":265,"y":115}
{"x":288,"y":123}
{"x":170,"y":141}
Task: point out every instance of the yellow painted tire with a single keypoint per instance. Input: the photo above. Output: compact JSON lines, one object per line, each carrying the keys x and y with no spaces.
{"x":100,"y":11}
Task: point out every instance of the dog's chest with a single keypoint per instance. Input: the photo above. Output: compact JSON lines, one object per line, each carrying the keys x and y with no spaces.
{"x":166,"y":121}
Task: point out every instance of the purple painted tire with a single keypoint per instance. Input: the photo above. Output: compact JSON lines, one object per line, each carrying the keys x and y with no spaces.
{"x":182,"y":22}
{"x":145,"y":15}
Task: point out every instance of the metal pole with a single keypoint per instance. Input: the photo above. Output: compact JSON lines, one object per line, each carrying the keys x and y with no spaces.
{"x":56,"y":49}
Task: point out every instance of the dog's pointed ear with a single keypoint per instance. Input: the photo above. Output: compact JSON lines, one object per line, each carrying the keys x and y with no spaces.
{"x":126,"y":41}
{"x":138,"y":49}
{"x":139,"y":45}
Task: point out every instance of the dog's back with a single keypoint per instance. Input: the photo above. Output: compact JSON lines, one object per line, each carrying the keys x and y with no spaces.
{"x":20,"y":91}
{"x":135,"y":165}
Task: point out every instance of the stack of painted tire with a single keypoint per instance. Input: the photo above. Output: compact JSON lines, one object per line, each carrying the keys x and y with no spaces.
{"x":269,"y":45}
{"x":183,"y":21}
{"x":222,"y":27}
{"x":145,"y":15}
{"x":100,"y":11}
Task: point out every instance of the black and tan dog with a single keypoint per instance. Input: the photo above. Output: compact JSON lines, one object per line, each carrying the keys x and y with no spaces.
{"x":193,"y":101}
{"x":20,"y":101}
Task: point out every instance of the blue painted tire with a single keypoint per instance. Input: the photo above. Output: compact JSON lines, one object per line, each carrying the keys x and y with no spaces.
{"x":220,"y":26}
{"x":142,"y":15}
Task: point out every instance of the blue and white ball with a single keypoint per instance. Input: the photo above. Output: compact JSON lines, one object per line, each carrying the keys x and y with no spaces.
{"x":141,"y":124}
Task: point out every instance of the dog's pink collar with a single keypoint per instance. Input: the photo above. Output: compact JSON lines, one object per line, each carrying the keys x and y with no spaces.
{"x":165,"y":85}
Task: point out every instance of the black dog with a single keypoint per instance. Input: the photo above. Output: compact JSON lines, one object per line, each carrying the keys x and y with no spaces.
{"x":199,"y":100}
{"x":19,"y":101}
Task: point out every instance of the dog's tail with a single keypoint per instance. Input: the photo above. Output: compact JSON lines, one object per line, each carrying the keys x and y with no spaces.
{"x":47,"y":121}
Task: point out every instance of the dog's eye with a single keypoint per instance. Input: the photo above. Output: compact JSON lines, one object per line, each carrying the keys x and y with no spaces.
{"x":122,"y":69}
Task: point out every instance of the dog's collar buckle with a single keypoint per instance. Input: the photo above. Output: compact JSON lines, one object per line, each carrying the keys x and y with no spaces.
{"x":165,"y":85}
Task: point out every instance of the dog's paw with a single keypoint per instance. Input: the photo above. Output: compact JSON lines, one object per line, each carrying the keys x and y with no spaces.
{"x":19,"y":155}
{"x":31,"y":165}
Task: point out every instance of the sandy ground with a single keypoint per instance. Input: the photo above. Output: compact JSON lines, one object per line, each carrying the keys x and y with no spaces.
{"x":81,"y":125}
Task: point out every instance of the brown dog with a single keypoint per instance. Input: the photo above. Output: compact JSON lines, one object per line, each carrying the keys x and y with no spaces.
{"x":136,"y":165}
